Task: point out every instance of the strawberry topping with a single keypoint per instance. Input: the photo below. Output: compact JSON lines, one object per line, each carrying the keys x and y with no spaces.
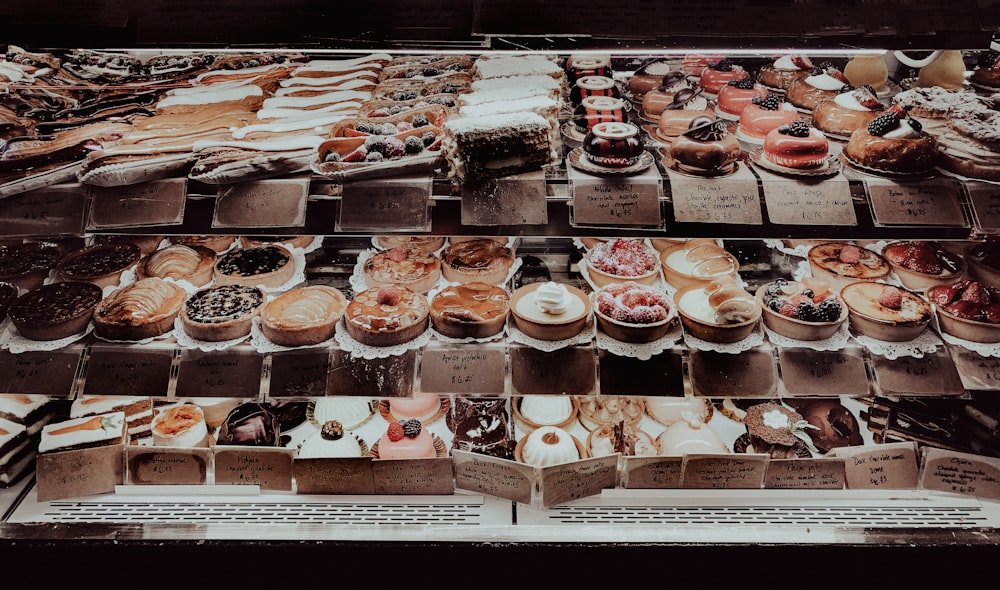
{"x":850,"y":254}
{"x":891,"y":297}
{"x":388,"y":295}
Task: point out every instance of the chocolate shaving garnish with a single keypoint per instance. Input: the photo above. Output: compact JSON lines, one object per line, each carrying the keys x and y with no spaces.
{"x":683,"y":96}
{"x":711,"y":131}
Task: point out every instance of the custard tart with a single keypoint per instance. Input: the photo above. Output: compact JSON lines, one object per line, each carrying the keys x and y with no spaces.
{"x":144,"y":309}
{"x":483,"y":260}
{"x":412,"y":268}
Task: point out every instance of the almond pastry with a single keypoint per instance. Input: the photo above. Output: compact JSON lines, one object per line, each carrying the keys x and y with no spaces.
{"x":386,"y":316}
{"x":413,"y":268}
{"x":144,"y":309}
{"x":303,"y":316}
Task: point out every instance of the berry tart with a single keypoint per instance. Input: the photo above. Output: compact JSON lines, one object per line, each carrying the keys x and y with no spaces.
{"x":472,"y":310}
{"x":893,"y":144}
{"x":885,"y":312}
{"x":632,"y":312}
{"x":736,"y":95}
{"x":705,"y":149}
{"x":303,"y":316}
{"x":806,"y":310}
{"x":921,"y":264}
{"x":763,"y":115}
{"x":147,"y":244}
{"x":55,"y":311}
{"x":101,"y":265}
{"x":780,"y":74}
{"x":661,"y":97}
{"x":695,"y":262}
{"x":718,"y":73}
{"x":194,"y":264}
{"x":796,"y":146}
{"x":26,"y":265}
{"x":622,"y":259}
{"x":413,"y":268}
{"x":721,"y":311}
{"x":550,"y":310}
{"x":968,"y":309}
{"x":841,"y":264}
{"x":264,"y":266}
{"x":407,"y":439}
{"x":850,"y":110}
{"x":688,"y":104}
{"x":143,"y":309}
{"x":386,"y":316}
{"x":221,"y":313}
{"x":824,"y":82}
{"x":483,"y":260}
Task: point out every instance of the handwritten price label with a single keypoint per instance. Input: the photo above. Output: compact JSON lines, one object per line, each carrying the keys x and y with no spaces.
{"x":219,"y":374}
{"x":112,"y":370}
{"x":632,"y":201}
{"x":791,"y":202}
{"x":263,"y":203}
{"x":48,"y":211}
{"x":468,"y":369}
{"x":986,"y":203}
{"x":21,"y":373}
{"x":889,"y":466}
{"x":961,"y":473}
{"x":387,"y":204}
{"x":927,"y":202}
{"x":707,"y":200}
{"x":158,"y":202}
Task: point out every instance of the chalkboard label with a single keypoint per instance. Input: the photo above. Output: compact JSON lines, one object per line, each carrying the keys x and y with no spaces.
{"x":39,"y":372}
{"x":512,"y":200}
{"x":818,"y":372}
{"x":299,"y":373}
{"x":219,"y":374}
{"x":115,"y":370}
{"x":386,"y":204}
{"x":158,"y":202}
{"x":652,"y":472}
{"x":463,"y":369}
{"x":617,"y":201}
{"x":334,"y":476}
{"x":262,"y":203}
{"x":928,"y":202}
{"x":986,"y":203}
{"x":50,"y":211}
{"x":166,"y":466}
{"x":932,"y":374}
{"x":748,"y":374}
{"x":961,"y":473}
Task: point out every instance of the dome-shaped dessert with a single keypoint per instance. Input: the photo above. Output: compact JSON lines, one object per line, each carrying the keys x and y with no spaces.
{"x":548,"y":445}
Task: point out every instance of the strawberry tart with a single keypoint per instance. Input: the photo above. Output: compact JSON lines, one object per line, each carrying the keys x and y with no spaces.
{"x":806,"y":310}
{"x":622,"y":259}
{"x":632,"y":312}
{"x":968,"y":309}
{"x":920,"y":264}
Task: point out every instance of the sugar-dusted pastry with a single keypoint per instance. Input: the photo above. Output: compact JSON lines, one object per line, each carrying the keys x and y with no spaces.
{"x":303,"y":316}
{"x":970,"y":144}
{"x":412,"y":268}
{"x":622,"y":259}
{"x":632,"y":312}
{"x":386,"y":316}
{"x":143,"y":309}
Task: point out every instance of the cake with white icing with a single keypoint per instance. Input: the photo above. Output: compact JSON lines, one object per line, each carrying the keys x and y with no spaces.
{"x":138,"y":411}
{"x":17,"y":451}
{"x":332,"y":441}
{"x":83,"y":433}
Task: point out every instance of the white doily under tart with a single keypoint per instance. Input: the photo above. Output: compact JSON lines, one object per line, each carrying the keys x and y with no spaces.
{"x":984,"y":349}
{"x":357,"y":280}
{"x":263,"y":345}
{"x":186,"y":341}
{"x":14,"y":342}
{"x":755,"y":339}
{"x":838,"y":341}
{"x":659,"y":283}
{"x":298,"y":273}
{"x":926,"y":343}
{"x":641,"y":351}
{"x":585,"y":336}
{"x":357,"y":349}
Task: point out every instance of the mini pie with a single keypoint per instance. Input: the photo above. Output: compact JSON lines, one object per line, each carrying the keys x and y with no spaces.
{"x":144,"y":309}
{"x":193,"y":264}
{"x":842,"y":263}
{"x":481,"y":260}
{"x":921,"y":264}
{"x":386,"y":316}
{"x":220,"y":313}
{"x":265,"y":266}
{"x":412,"y":268}
{"x":472,"y":310}
{"x":102,"y":265}
{"x":303,"y":316}
{"x":55,"y":311}
{"x":885,"y":312}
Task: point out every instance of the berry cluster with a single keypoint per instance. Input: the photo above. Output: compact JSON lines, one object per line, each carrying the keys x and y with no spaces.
{"x":884,"y":123}
{"x":810,"y":301}
{"x":743,"y":83}
{"x":989,"y":59}
{"x":968,"y":299}
{"x":723,"y":65}
{"x":623,"y":257}
{"x":771,"y":102}
{"x":796,"y":129}
{"x":633,"y":303}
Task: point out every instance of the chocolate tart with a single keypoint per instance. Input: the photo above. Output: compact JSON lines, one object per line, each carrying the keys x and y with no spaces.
{"x":303,"y":316}
{"x":220,"y":313}
{"x":144,"y":309}
{"x":377,"y":321}
{"x":263,"y":266}
{"x":472,"y":310}
{"x":102,"y":265}
{"x":26,"y":265}
{"x":55,"y":311}
{"x":869,"y":317}
{"x":194,"y":264}
{"x":413,"y":268}
{"x":484,"y":261}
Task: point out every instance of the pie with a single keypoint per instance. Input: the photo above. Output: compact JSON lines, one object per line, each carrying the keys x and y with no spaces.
{"x":472,"y":310}
{"x":193,"y":264}
{"x":26,"y":265}
{"x":144,"y":309}
{"x":412,"y":268}
{"x":55,"y":311}
{"x":842,"y":263}
{"x":303,"y":316}
{"x":265,"y":266}
{"x":386,"y":316}
{"x":885,"y":312}
{"x":220,"y":313}
{"x":483,"y":260}
{"x":102,"y":265}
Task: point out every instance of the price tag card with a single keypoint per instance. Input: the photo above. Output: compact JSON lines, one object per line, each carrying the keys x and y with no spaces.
{"x":579,"y":479}
{"x":270,"y":468}
{"x":50,"y":211}
{"x":120,"y":370}
{"x":39,"y":372}
{"x":166,"y":466}
{"x":652,"y":472}
{"x":512,"y":200}
{"x":351,"y":475}
{"x":299,"y":373}
{"x":662,"y":374}
{"x":83,"y":472}
{"x":570,"y":370}
{"x":619,"y":201}
{"x":465,"y":368}
{"x":889,"y":466}
{"x":978,"y":373}
{"x":934,"y":201}
{"x":385,"y":377}
{"x":985,"y":199}
{"x":501,"y":478}
{"x":732,"y":199}
{"x":391,"y":204}
{"x":823,"y":202}
{"x":805,"y":474}
{"x":718,"y":374}
{"x":725,"y":472}
{"x":158,"y":202}
{"x":814,"y":372}
{"x":413,"y":476}
{"x":278,"y":202}
{"x":961,"y":473}
{"x":933,"y":374}
{"x":226,"y":373}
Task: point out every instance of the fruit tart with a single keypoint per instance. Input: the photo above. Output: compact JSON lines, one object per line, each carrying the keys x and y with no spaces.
{"x":265,"y":266}
{"x":632,"y":312}
{"x":885,"y":312}
{"x":55,"y":311}
{"x":806,"y":310}
{"x":412,"y":268}
{"x":143,"y":309}
{"x":221,"y":313}
{"x":303,"y":316}
{"x":921,"y":264}
{"x":968,"y":309}
{"x":193,"y":264}
{"x":622,"y":259}
{"x":842,"y":263}
{"x":386,"y":316}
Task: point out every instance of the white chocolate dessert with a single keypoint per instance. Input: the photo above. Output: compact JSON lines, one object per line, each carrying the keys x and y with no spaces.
{"x":669,"y":410}
{"x":332,"y":441}
{"x":548,"y":445}
{"x":350,"y":411}
{"x":180,"y":425}
{"x":691,"y":436}
{"x":546,"y":410}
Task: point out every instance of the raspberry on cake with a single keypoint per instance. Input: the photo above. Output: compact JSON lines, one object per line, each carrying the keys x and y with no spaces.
{"x":386,"y":316}
{"x":718,"y":73}
{"x":407,"y":439}
{"x":796,"y":146}
{"x":736,"y":96}
{"x":763,"y":115}
{"x":413,"y":268}
{"x":920,"y":264}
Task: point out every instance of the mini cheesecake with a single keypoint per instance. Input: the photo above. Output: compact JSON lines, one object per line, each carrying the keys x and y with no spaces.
{"x":303,"y":316}
{"x":885,"y":312}
{"x":144,"y":309}
{"x":220,"y":313}
{"x":101,"y":265}
{"x":56,"y":311}
{"x":263,"y":266}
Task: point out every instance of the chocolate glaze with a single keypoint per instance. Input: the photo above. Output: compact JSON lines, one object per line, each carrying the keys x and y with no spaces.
{"x":55,"y":303}
{"x":250,"y":262}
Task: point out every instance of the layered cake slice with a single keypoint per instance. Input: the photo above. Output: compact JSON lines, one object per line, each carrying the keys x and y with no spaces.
{"x":492,"y":146}
{"x":84,"y":433}
{"x":16,"y":451}
{"x":138,"y":411}
{"x":29,"y":410}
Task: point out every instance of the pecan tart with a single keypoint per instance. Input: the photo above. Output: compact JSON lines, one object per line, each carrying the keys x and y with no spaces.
{"x":303,"y":316}
{"x":472,"y":310}
{"x":144,"y":309}
{"x":482,"y":260}
{"x":386,"y":316}
{"x":412,"y":268}
{"x":26,"y":265}
{"x":193,"y":264}
{"x":102,"y":265}
{"x":220,"y":313}
{"x":55,"y":311}
{"x":265,"y":266}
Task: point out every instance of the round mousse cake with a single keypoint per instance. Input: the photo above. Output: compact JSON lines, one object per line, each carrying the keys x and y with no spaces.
{"x":892,"y":143}
{"x":688,"y":104}
{"x":548,"y":445}
{"x":407,"y":439}
{"x":221,"y":313}
{"x":613,"y":145}
{"x":193,"y":264}
{"x":102,"y":265}
{"x":764,"y":115}
{"x":56,"y":311}
{"x":688,"y":437}
{"x":262,"y":266}
{"x":481,"y":260}
{"x":26,"y":265}
{"x":424,"y":406}
{"x":622,"y":259}
{"x":331,"y":441}
{"x":534,"y":411}
{"x":661,"y":96}
{"x":386,"y":316}
{"x":796,"y":146}
{"x":143,"y":309}
{"x":303,"y":316}
{"x":180,"y":425}
{"x":718,"y":73}
{"x":472,"y":310}
{"x":736,"y":96}
{"x":670,"y":409}
{"x":706,"y":149}
{"x":412,"y":268}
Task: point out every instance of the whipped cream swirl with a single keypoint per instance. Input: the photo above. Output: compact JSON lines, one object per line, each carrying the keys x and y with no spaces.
{"x":552,"y":298}
{"x":824,"y":82}
{"x":903,"y":131}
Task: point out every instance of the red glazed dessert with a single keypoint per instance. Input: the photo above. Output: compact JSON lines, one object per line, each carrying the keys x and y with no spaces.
{"x":785,"y":70}
{"x":593,"y":86}
{"x":598,"y":109}
{"x":921,"y":264}
{"x":736,"y":95}
{"x":613,"y":145}
{"x":824,"y":82}
{"x":968,"y":309}
{"x":796,"y":146}
{"x":762,"y":116}
{"x":718,"y":74}
{"x":578,"y":66}
{"x":695,"y":63}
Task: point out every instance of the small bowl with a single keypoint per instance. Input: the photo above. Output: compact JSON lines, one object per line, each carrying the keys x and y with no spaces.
{"x":964,"y":328}
{"x":885,"y":329}
{"x":710,"y":331}
{"x":796,"y":328}
{"x":921,"y":281}
{"x":549,"y":328}
{"x":715,"y":266}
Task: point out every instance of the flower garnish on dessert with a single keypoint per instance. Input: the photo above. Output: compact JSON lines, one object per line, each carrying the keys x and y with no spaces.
{"x":777,"y":431}
{"x":893,"y":143}
{"x":765,"y":114}
{"x":798,"y":145}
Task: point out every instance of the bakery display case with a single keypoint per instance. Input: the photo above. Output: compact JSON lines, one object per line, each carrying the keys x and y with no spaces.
{"x":449,"y":283}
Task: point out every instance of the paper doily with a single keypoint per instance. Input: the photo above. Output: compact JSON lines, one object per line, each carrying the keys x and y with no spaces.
{"x":926,"y":343}
{"x":836,"y":342}
{"x":800,"y":251}
{"x":985,"y":349}
{"x":16,"y":344}
{"x":263,"y":345}
{"x":641,"y":351}
{"x":756,"y":338}
{"x":186,"y":341}
{"x":357,"y":349}
{"x":586,"y":335}
{"x":449,"y":340}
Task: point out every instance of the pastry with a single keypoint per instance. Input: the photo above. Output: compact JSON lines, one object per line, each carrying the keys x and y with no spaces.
{"x":485,"y":434}
{"x":55,"y":311}
{"x":688,"y":104}
{"x":776,"y":430}
{"x":613,"y":145}
{"x":180,"y":425}
{"x":482,"y":260}
{"x":670,"y":409}
{"x":423,"y":406}
{"x":824,"y":82}
{"x":598,"y":109}
{"x":143,"y":309}
{"x":735,"y":408}
{"x":595,"y":411}
{"x":493,"y":146}
{"x":263,"y":266}
{"x":661,"y":97}
{"x":851,"y":109}
{"x":386,"y":316}
{"x":970,"y":142}
{"x":410,"y":268}
{"x":696,"y":261}
{"x":215,"y":409}
{"x":472,"y":310}
{"x":193,"y":264}
{"x":920,"y":264}
{"x":466,"y":406}
{"x":33,"y":411}
{"x":592,"y":86}
{"x":550,"y":310}
{"x":885,"y":312}
{"x":763,"y":115}
{"x":548,"y":445}
{"x":806,"y":310}
{"x":405,"y":440}
{"x":705,"y":149}
{"x":695,"y":63}
{"x":251,"y":424}
{"x":647,"y":77}
{"x":718,"y":73}
{"x":690,"y":436}
{"x":221,"y":313}
{"x":101,"y":265}
{"x":622,"y":259}
{"x":986,"y":75}
{"x":892,"y":143}
{"x":331,"y":441}
{"x":425,"y":243}
{"x":967,"y":309}
{"x":620,"y":438}
{"x":303,"y":316}
{"x":350,"y":411}
{"x":218,"y":243}
{"x":842,"y":263}
{"x":534,"y":411}
{"x":780,"y":74}
{"x":833,"y":425}
{"x":736,"y":95}
{"x":84,"y":433}
{"x":26,"y":265}
{"x":721,"y":311}
{"x":632,"y":312}
{"x":797,"y":146}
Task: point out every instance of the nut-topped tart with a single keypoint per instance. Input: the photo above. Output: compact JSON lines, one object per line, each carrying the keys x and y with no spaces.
{"x":26,"y":265}
{"x":143,"y":309}
{"x":56,"y":311}
{"x":264,"y":266}
{"x":413,"y":268}
{"x":482,"y":260}
{"x":386,"y":316}
{"x":472,"y":310}
{"x":221,"y":313}
{"x":885,"y":312}
{"x":102,"y":265}
{"x":842,"y":264}
{"x":193,"y":264}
